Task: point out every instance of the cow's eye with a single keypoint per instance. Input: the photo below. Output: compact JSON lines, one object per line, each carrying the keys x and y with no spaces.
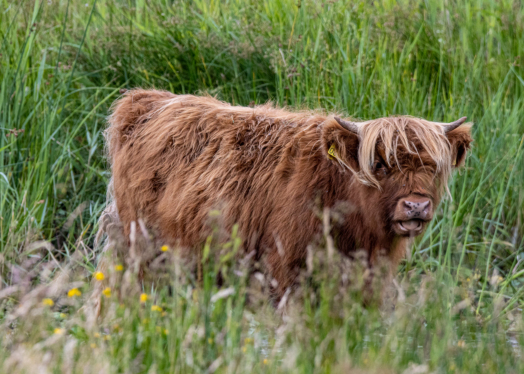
{"x":380,"y":167}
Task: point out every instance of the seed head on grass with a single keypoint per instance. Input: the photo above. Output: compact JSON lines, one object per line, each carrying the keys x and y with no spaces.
{"x":74,"y":292}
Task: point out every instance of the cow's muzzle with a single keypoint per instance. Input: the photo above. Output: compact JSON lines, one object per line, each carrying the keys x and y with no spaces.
{"x":411,"y":215}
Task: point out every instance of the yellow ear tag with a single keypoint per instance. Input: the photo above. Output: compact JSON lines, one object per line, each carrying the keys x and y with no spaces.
{"x":332,"y":152}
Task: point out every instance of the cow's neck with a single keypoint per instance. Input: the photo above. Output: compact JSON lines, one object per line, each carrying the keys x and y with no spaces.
{"x":359,"y":234}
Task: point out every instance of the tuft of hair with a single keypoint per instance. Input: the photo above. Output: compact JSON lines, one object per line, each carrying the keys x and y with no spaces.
{"x":108,"y":218}
{"x":130,"y":113}
{"x":392,"y":132}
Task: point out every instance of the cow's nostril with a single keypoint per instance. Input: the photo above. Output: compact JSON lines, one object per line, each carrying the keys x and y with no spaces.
{"x":424,"y":205}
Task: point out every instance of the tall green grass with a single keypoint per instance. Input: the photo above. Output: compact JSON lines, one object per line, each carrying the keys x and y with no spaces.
{"x":62,"y":63}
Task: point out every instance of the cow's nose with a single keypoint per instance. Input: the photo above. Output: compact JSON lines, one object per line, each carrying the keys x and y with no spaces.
{"x":417,"y":208}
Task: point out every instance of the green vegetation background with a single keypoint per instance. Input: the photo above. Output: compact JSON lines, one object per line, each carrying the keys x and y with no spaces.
{"x":62,"y":63}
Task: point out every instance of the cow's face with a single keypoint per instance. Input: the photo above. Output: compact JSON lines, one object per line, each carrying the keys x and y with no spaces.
{"x":402,"y":166}
{"x":407,"y":190}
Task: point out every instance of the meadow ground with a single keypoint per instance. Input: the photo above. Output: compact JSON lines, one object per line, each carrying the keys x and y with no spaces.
{"x":459,"y":294}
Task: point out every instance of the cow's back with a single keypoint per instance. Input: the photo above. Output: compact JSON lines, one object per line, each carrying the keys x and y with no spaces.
{"x":176,"y":158}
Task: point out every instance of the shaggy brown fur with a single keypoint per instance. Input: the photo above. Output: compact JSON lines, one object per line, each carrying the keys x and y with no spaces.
{"x":176,"y":157}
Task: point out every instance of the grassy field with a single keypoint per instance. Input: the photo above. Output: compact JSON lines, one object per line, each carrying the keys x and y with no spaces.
{"x":460,"y":293}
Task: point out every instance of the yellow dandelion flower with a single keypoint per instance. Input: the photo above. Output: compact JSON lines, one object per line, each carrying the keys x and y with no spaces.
{"x":266,"y":361}
{"x":73,"y":292}
{"x":145,"y":321}
{"x":99,"y":276}
{"x":107,"y":292}
{"x":96,"y":335}
{"x":107,"y":337}
{"x":119,"y":267}
{"x":166,"y":332}
{"x":156,"y":308}
{"x":59,"y":331}
{"x":210,"y":341}
{"x":164,"y":248}
{"x":93,"y":345}
{"x":143,"y":298}
{"x":248,"y":340}
{"x":63,"y":315}
{"x":244,"y":349}
{"x":48,"y":302}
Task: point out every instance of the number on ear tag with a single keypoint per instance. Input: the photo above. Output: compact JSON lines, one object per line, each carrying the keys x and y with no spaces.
{"x":332,"y":151}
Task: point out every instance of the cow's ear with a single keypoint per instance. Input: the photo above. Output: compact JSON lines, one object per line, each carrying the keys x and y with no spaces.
{"x":460,"y":140}
{"x":339,"y":144}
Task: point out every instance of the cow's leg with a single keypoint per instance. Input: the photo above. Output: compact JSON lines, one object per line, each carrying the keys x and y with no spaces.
{"x":283,"y":272}
{"x":383,"y":266}
{"x":376,"y":277}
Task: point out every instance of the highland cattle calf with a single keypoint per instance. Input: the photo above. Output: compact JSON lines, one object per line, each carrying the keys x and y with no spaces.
{"x":175,"y":158}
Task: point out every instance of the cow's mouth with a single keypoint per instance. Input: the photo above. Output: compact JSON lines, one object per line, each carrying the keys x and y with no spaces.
{"x":412,"y":227}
